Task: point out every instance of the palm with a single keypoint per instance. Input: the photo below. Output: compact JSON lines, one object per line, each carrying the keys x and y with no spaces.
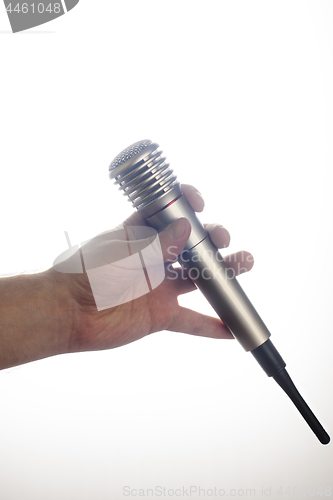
{"x":127,"y":322}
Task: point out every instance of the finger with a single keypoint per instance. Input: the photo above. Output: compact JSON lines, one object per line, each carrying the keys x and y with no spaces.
{"x":240,"y":262}
{"x":194,"y":197}
{"x":182,"y":283}
{"x":135,"y":220}
{"x":194,"y":323}
{"x":113,"y":246}
{"x":173,"y":239}
{"x":218,"y":234}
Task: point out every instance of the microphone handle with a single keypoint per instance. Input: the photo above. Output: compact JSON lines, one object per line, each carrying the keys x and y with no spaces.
{"x":217,"y":282}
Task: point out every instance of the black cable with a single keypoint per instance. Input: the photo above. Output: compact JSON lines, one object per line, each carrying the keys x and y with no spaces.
{"x":271,"y":361}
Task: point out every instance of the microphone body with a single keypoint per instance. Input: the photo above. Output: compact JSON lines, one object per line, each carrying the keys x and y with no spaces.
{"x":145,"y":177}
{"x":208,"y":270}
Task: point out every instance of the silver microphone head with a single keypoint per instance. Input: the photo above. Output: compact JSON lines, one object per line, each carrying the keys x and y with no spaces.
{"x":142,"y":173}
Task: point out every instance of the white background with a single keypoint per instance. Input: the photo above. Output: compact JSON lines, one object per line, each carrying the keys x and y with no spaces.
{"x":239,"y":96}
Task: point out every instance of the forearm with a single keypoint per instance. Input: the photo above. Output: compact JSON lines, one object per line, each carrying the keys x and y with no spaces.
{"x":35,"y":318}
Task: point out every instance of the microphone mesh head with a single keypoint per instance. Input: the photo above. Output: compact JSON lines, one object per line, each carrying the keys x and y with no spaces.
{"x":129,"y":152}
{"x":142,"y":173}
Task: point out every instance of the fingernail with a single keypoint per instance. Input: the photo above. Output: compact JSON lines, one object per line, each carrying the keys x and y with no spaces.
{"x":176,"y":229}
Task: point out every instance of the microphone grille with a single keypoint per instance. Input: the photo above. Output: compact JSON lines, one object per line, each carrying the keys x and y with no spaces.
{"x":129,"y":152}
{"x":142,"y":173}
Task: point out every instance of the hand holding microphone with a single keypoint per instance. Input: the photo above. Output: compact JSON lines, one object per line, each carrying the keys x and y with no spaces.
{"x":97,"y":297}
{"x":111,"y":305}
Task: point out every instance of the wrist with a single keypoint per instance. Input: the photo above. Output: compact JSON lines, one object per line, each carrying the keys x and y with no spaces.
{"x":36,"y":318}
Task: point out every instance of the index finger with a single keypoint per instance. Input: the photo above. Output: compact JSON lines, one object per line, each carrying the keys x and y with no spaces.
{"x":193,"y":196}
{"x":135,"y":219}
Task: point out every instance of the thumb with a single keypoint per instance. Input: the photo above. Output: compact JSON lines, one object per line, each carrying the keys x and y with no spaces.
{"x":173,"y":238}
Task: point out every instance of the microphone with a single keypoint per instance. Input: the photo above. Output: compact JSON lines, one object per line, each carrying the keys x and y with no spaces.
{"x":143,"y":174}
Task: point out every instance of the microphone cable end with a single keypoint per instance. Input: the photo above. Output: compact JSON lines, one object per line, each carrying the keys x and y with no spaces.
{"x":272,"y":363}
{"x":285,"y":382}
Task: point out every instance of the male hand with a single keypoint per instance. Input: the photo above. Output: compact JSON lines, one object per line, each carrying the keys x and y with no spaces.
{"x":94,"y":329}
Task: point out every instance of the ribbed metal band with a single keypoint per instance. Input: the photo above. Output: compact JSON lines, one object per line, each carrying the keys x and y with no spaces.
{"x":142,"y":173}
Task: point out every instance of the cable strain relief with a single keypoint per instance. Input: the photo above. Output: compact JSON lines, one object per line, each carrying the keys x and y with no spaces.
{"x":269,"y":358}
